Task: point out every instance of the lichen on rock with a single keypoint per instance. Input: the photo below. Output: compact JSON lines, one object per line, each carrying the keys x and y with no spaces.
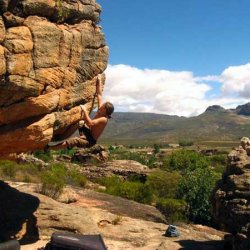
{"x":51,"y":52}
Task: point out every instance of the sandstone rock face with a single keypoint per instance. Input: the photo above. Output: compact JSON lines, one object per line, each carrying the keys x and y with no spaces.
{"x":232,"y":199}
{"x":50,"y":54}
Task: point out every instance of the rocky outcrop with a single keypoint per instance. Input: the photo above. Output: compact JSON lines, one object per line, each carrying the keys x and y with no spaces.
{"x":50,"y":54}
{"x":123,"y":224}
{"x":215,"y":108}
{"x":121,"y":168}
{"x":243,"y":109}
{"x":97,"y":153}
{"x":232,"y":199}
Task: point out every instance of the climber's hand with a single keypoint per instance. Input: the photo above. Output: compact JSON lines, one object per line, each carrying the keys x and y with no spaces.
{"x":99,"y":85}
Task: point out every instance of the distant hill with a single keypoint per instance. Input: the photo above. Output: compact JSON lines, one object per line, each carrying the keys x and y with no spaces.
{"x":216,"y":123}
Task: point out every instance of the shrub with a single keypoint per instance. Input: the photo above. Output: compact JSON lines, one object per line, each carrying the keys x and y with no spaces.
{"x":164,"y":184}
{"x":186,"y":143}
{"x":220,"y":159}
{"x":53,"y":181}
{"x":18,"y":172}
{"x":196,"y":189}
{"x":127,"y":189}
{"x":173,"y":209}
{"x":27,"y":173}
{"x":8,"y":168}
{"x":185,"y":160}
{"x":156,"y":149}
{"x":117,"y":220}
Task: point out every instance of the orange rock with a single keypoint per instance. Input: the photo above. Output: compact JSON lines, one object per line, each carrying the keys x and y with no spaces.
{"x":2,"y":61}
{"x":47,"y":67}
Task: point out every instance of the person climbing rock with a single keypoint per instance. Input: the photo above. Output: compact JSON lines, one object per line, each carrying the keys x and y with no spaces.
{"x":89,"y":129}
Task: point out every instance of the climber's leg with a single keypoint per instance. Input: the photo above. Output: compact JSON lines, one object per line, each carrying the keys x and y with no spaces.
{"x":62,"y":145}
{"x":80,"y":142}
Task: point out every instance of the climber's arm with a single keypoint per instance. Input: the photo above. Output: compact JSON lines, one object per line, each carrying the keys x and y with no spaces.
{"x":99,"y":90}
{"x":91,"y":122}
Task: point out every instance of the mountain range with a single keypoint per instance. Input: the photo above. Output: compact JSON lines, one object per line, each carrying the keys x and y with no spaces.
{"x":215,"y":124}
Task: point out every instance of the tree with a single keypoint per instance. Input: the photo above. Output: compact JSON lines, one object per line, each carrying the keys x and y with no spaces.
{"x":196,"y":189}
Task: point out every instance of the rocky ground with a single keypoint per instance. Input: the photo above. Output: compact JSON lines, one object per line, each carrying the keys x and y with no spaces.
{"x":123,"y":224}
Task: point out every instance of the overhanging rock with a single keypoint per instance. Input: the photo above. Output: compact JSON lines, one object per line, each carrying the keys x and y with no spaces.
{"x":50,"y":54}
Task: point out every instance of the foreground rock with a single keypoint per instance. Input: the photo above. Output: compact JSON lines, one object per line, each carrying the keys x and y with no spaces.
{"x":232,"y":199}
{"x":50,"y":55}
{"x":123,"y":224}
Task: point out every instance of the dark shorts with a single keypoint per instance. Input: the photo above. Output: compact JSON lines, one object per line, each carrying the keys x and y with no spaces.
{"x":85,"y":140}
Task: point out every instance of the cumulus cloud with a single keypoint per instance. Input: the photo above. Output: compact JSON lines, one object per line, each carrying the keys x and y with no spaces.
{"x":162,"y":91}
{"x":236,"y":81}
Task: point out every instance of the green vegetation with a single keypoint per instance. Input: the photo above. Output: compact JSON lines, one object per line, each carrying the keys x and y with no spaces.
{"x":185,"y":160}
{"x":154,"y":128}
{"x":196,"y":189}
{"x":186,"y":143}
{"x":10,"y":170}
{"x":53,"y":181}
{"x":52,"y":178}
{"x":181,"y":186}
{"x":181,"y":189}
{"x":44,"y":156}
{"x":164,"y":184}
{"x":173,"y":209}
{"x":62,"y":12}
{"x":127,"y":189}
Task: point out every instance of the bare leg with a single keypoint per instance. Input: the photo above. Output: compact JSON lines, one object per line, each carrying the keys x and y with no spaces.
{"x":63,"y":145}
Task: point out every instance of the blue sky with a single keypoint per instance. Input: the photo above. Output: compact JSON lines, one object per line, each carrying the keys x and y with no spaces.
{"x":201,"y":38}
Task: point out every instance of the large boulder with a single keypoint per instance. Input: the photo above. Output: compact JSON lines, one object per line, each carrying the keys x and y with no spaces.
{"x":232,"y":198}
{"x":50,"y":54}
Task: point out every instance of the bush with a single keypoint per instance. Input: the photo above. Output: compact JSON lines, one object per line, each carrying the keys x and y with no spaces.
{"x":164,"y":184}
{"x":18,"y":172}
{"x":8,"y":168}
{"x":53,"y":181}
{"x":173,"y":209}
{"x":196,"y":189}
{"x":185,"y":160}
{"x":156,"y":149}
{"x":127,"y":189}
{"x":186,"y":143}
{"x":218,"y":160}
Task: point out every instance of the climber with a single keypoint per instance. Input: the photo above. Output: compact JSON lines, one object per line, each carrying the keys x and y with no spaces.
{"x":91,"y":129}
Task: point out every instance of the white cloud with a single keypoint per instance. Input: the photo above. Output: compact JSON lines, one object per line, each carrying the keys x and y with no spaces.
{"x":236,"y":80}
{"x":166,"y":92}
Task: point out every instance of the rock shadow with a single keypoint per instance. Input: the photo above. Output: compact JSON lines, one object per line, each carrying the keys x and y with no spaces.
{"x":16,"y":215}
{"x":202,"y":245}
